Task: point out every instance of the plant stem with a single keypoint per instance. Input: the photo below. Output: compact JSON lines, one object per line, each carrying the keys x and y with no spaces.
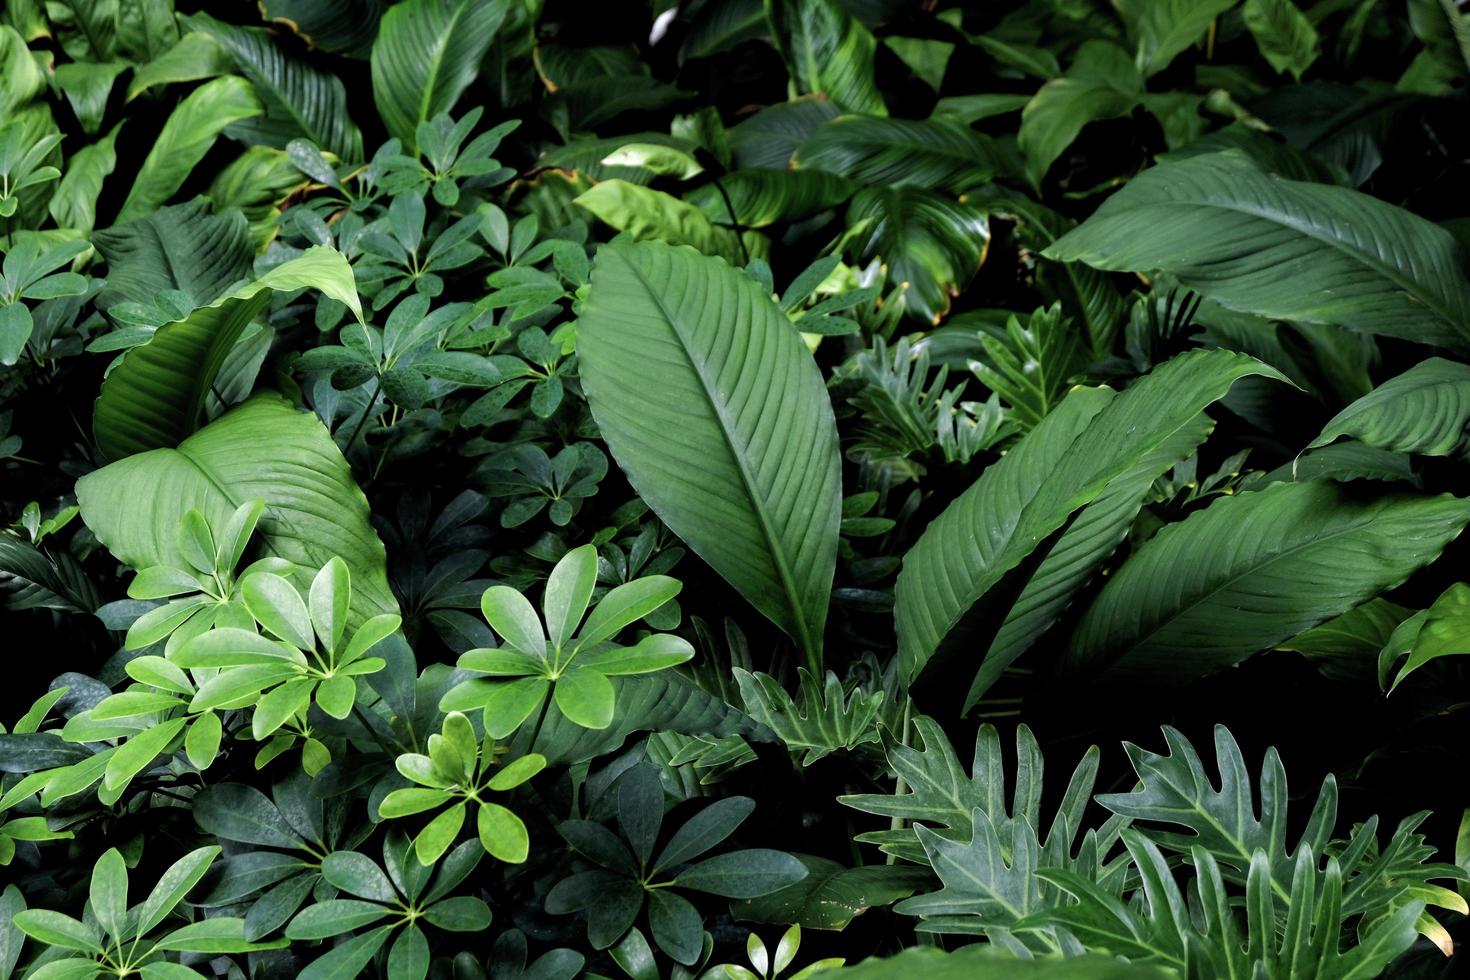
{"x":897,"y":823}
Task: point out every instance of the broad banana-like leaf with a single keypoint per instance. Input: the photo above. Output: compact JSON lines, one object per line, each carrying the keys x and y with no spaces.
{"x":764,"y":197}
{"x":340,"y":26}
{"x":1283,"y":249}
{"x":195,"y":56}
{"x":264,"y":449}
{"x":184,"y":248}
{"x":769,"y":138}
{"x":300,"y":99}
{"x":1092,"y":438}
{"x":154,"y":396}
{"x":1252,"y":570}
{"x":828,"y":52}
{"x":188,"y":134}
{"x":1424,"y":410}
{"x":716,"y":411}
{"x":426,"y":54}
{"x":931,"y":154}
{"x":931,"y":242}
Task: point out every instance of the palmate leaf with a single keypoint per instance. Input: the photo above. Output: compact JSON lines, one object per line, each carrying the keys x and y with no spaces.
{"x":187,"y":136}
{"x":715,"y":410}
{"x":827,"y":52}
{"x":929,"y":154}
{"x":155,"y":395}
{"x":944,"y":798}
{"x":426,"y":54}
{"x":1252,"y":570}
{"x":1282,"y":249}
{"x":300,"y":99}
{"x":929,"y":241}
{"x":1031,"y":492}
{"x":183,"y":247}
{"x":263,"y":449}
{"x":1424,"y":410}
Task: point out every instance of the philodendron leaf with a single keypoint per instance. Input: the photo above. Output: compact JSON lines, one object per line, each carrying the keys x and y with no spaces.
{"x":1252,"y":570}
{"x":1284,"y":249}
{"x":154,"y":396}
{"x":183,"y":247}
{"x":1032,"y":491}
{"x":426,"y":54}
{"x":263,"y":449}
{"x":715,"y":410}
{"x":1424,"y":410}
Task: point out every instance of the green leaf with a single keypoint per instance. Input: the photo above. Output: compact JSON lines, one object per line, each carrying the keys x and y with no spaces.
{"x":74,"y":204}
{"x":426,"y":54}
{"x":1031,"y":492}
{"x":299,"y":99}
{"x":676,"y":926}
{"x":263,"y":449}
{"x":931,"y":243}
{"x":827,"y":52}
{"x":719,"y":343}
{"x":763,"y":197}
{"x":650,"y":215}
{"x":356,"y":874}
{"x":186,"y":137}
{"x":1282,"y":249}
{"x":624,"y":605}
{"x":347,"y":960}
{"x":184,"y":248}
{"x":827,"y":719}
{"x":276,"y":605}
{"x":1285,"y":36}
{"x":109,"y":892}
{"x":1442,"y":631}
{"x":514,"y":618}
{"x":60,"y":931}
{"x":585,"y":697}
{"x":1162,"y":29}
{"x":1102,"y":83}
{"x":154,"y":397}
{"x":749,"y":873}
{"x":340,"y":26}
{"x":928,"y":154}
{"x":193,"y":57}
{"x":331,"y":592}
{"x":502,"y":833}
{"x":176,"y":882}
{"x":1424,"y":410}
{"x":831,"y":895}
{"x":568,"y":590}
{"x":243,"y":813}
{"x":990,"y":961}
{"x":333,"y":918}
{"x":1252,"y":570}
{"x":138,"y":753}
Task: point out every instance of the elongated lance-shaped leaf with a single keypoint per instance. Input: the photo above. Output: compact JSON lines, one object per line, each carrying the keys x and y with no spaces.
{"x":263,"y":449}
{"x":1032,"y":491}
{"x":1252,"y":570}
{"x":426,"y":54}
{"x":717,"y":413}
{"x":154,"y":397}
{"x":1285,"y":249}
{"x":1424,"y":410}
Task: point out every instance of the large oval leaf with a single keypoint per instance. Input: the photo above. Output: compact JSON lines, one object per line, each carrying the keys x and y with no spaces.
{"x":426,"y":54}
{"x":714,"y":408}
{"x":1283,"y":249}
{"x":899,"y":152}
{"x":183,"y":247}
{"x":267,"y":450}
{"x":929,"y":241}
{"x":764,"y":197}
{"x":154,"y":396}
{"x":1252,"y":570}
{"x":1424,"y":410}
{"x":1067,"y":461}
{"x":828,"y":52}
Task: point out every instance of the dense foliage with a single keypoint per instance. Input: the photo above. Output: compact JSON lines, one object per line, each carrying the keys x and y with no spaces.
{"x":503,"y":488}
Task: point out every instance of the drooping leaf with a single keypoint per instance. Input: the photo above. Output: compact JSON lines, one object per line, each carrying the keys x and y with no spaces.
{"x":1031,"y":492}
{"x":154,"y":397}
{"x":263,"y":449}
{"x":929,"y":154}
{"x":1282,"y":249}
{"x":1424,"y":410}
{"x":1252,"y":570}
{"x":183,"y":247}
{"x":1161,"y":29}
{"x":1102,"y":83}
{"x":188,"y":134}
{"x":300,"y":99}
{"x":426,"y":54}
{"x":755,"y":490}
